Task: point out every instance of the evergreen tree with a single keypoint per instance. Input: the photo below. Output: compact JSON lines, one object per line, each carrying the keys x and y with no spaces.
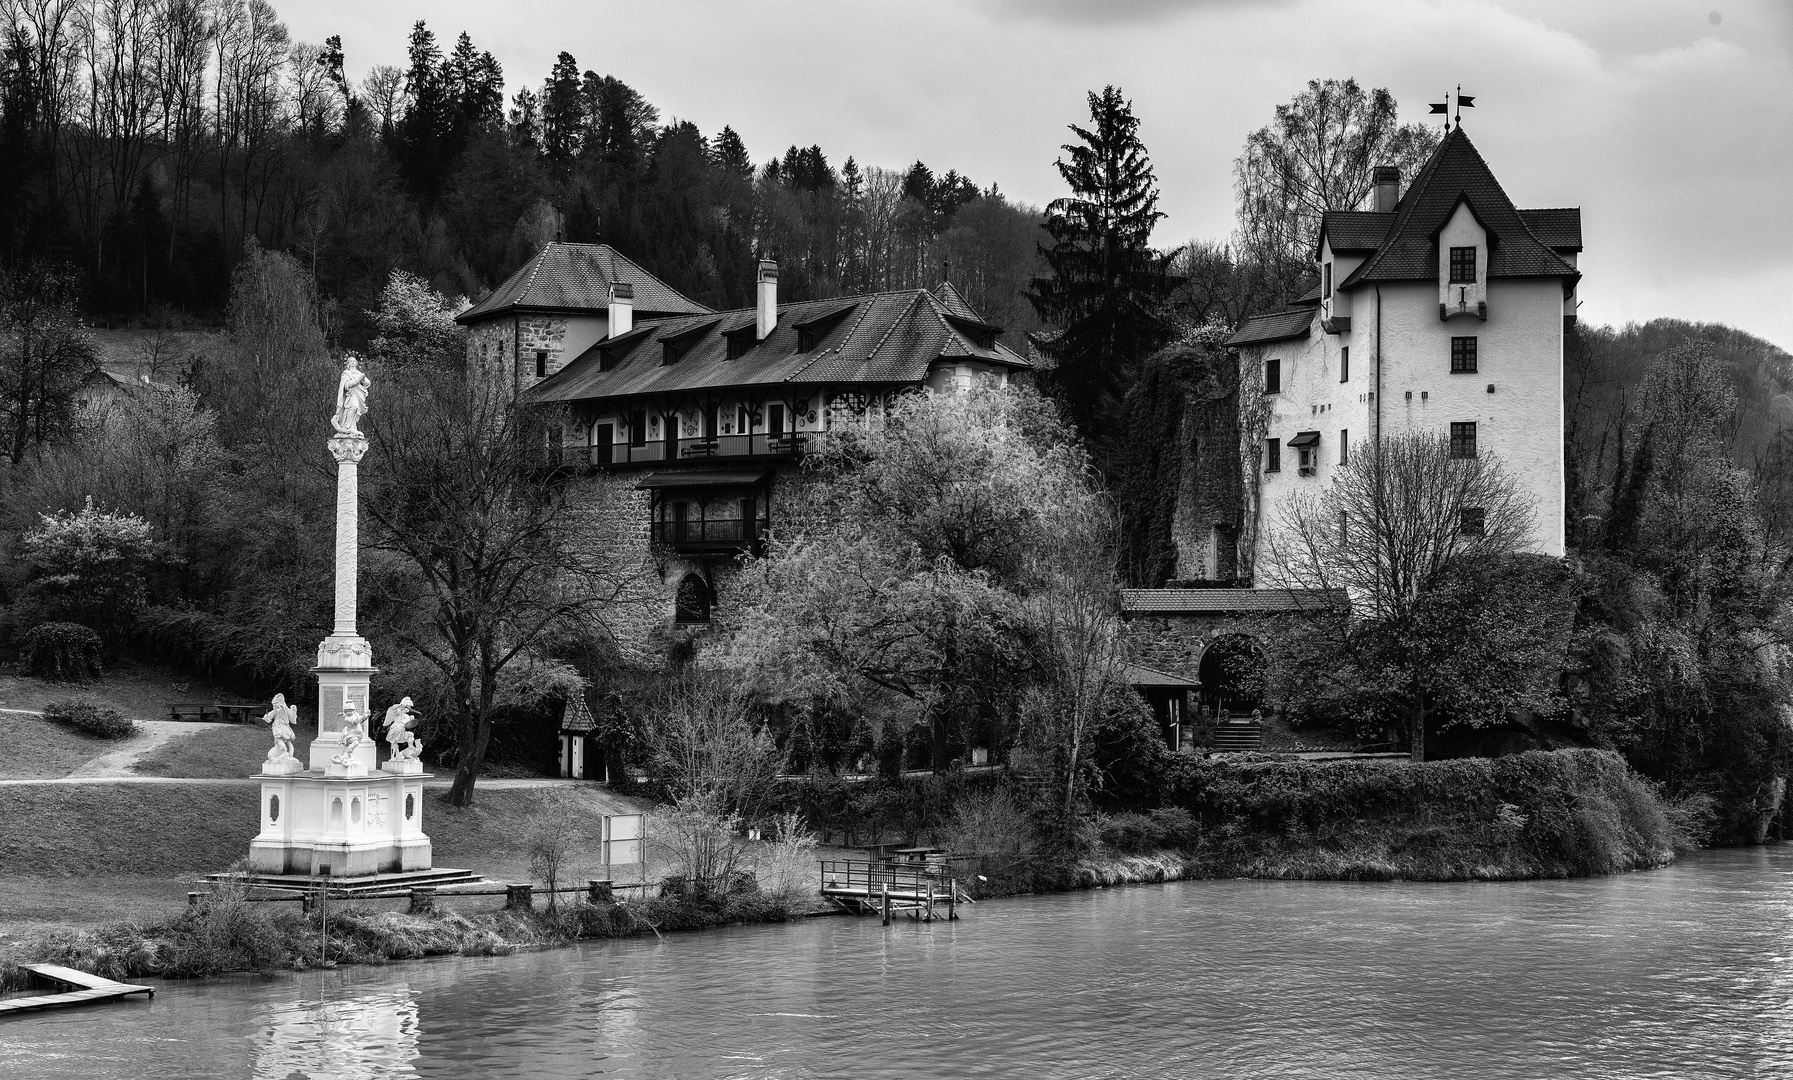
{"x":428,"y":120}
{"x":562,"y":115}
{"x":1107,"y":283}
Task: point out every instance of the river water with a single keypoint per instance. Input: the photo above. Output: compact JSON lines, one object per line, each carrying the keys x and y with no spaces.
{"x":1682,"y":972}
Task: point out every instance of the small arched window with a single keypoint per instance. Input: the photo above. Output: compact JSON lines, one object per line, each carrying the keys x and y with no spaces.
{"x":693,"y":601}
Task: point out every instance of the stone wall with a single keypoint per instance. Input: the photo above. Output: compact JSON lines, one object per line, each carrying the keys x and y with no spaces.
{"x":612,"y":523}
{"x":1174,"y":643}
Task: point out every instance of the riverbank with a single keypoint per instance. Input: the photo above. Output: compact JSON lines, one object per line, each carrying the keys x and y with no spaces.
{"x":1557,"y":814}
{"x":228,"y":932}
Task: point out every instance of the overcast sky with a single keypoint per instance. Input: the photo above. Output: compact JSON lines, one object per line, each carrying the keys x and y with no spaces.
{"x":1670,"y":123}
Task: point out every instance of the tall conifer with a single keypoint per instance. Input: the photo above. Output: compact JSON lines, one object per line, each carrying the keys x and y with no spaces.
{"x":1107,"y":285}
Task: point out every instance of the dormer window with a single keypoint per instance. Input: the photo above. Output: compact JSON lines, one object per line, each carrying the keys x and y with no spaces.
{"x":1307,"y":452}
{"x":1463,"y":266}
{"x":739,"y":341}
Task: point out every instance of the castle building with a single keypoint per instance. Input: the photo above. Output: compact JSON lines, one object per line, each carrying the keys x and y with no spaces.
{"x":683,"y":426}
{"x":1440,"y":310}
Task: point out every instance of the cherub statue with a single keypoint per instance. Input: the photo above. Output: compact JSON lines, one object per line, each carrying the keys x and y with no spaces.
{"x":282,"y":717}
{"x":404,"y":742}
{"x":354,"y":731}
{"x":351,"y":398}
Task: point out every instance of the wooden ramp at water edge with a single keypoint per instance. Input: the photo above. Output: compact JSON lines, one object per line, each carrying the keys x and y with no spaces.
{"x":79,"y":988}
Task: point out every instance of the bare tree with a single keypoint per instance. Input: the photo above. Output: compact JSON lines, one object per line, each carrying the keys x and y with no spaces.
{"x":466,"y":501}
{"x":45,"y":356}
{"x":1416,"y":539}
{"x":701,"y":738}
{"x":1316,"y":157}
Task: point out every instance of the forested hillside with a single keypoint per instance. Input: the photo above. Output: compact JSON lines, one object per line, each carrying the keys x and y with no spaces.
{"x":144,"y":144}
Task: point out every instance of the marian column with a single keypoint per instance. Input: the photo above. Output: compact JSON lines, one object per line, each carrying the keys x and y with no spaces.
{"x":342,"y":816}
{"x":345,"y":659}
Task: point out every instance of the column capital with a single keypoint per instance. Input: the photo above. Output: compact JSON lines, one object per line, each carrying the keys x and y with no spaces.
{"x":348,"y":448}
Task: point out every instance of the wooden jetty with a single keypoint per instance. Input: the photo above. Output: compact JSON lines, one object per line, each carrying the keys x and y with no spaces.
{"x":923,"y":893}
{"x":80,"y":988}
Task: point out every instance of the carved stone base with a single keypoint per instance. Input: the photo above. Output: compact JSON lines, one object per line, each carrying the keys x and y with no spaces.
{"x":282,"y":768}
{"x":403,"y":767}
{"x":353,"y":768}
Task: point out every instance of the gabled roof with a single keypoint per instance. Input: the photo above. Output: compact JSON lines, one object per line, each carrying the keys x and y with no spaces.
{"x":1310,"y":297}
{"x":1222,"y":601}
{"x":576,"y":278}
{"x":1454,"y":174}
{"x":1355,"y":230}
{"x":1277,"y":326}
{"x":577,"y":715}
{"x":955,"y":302}
{"x":1557,"y":227}
{"x":880,"y":338}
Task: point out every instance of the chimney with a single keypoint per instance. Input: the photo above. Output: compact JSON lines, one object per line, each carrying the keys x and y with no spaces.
{"x":622,"y":308}
{"x":1388,"y":188}
{"x":768,"y":299}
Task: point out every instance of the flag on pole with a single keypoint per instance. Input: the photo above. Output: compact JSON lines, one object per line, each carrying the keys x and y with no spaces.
{"x":1465,"y":101}
{"x":1441,"y":107}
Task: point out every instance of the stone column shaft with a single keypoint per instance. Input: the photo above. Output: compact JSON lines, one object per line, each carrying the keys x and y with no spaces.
{"x":347,"y":541}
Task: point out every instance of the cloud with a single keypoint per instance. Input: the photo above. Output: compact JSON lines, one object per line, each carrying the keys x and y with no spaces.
{"x":1117,"y":12}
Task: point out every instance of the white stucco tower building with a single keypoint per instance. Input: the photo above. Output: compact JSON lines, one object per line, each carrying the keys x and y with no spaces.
{"x":1441,"y":311}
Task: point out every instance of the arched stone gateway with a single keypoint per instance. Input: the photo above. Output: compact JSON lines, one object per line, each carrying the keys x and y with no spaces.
{"x":1200,"y":634}
{"x":1231,"y":671}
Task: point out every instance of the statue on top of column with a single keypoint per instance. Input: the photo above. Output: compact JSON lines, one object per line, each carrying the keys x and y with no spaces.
{"x":351,"y":398}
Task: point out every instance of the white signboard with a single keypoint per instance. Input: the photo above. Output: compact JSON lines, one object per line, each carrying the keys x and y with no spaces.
{"x":623,"y":834}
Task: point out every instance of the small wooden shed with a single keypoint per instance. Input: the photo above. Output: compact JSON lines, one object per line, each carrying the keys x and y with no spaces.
{"x":1169,"y":697}
{"x":581,"y":758}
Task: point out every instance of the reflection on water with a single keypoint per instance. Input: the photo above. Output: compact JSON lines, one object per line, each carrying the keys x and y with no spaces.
{"x":1674,"y":973}
{"x":357,"y":1037}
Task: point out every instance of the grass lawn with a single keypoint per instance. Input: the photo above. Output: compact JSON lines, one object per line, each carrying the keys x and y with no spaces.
{"x":93,"y":853}
{"x":221,"y":752}
{"x":39,"y":750}
{"x":139,"y":691}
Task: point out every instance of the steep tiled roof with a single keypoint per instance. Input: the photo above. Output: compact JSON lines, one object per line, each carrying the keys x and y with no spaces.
{"x":1355,"y":230}
{"x":1310,"y":297}
{"x":1136,"y":675}
{"x":1456,"y":173}
{"x":1223,"y":601}
{"x":1278,"y":326}
{"x":1557,"y":228}
{"x":577,"y":715}
{"x":954,"y":301}
{"x":879,"y":338}
{"x":577,"y":277}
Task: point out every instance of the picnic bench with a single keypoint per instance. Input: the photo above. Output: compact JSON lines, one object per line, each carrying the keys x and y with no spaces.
{"x":211,"y":713}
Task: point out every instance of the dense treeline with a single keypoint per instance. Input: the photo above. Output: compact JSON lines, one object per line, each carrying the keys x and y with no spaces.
{"x":145,"y":143}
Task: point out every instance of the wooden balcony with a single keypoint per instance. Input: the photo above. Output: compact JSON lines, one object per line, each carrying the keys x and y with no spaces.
{"x":719,"y":448}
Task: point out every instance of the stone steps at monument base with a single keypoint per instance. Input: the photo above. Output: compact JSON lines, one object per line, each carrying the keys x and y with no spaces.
{"x":436,"y":878}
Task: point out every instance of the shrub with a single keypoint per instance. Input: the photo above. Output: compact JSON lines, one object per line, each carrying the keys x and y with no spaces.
{"x":1536,"y":814}
{"x":61,"y":652}
{"x":226,"y":931}
{"x":1143,"y":834}
{"x":790,"y":858}
{"x":89,"y":719}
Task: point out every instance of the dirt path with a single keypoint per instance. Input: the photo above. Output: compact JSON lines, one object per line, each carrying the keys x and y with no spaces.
{"x":151,"y":734}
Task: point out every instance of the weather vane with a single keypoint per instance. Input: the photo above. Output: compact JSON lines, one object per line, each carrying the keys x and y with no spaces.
{"x":1464,"y":101}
